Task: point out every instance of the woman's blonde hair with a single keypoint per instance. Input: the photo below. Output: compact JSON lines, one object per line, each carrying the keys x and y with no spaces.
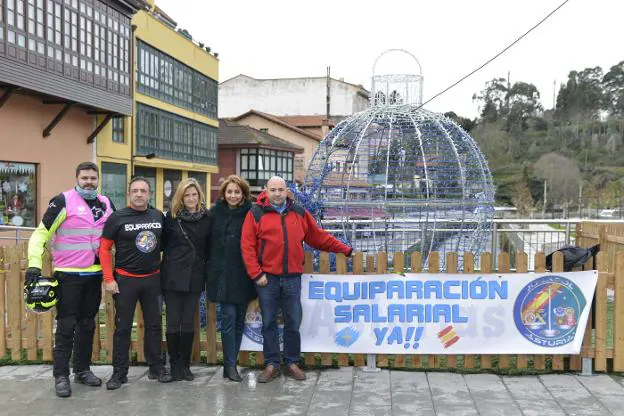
{"x":177,"y":204}
{"x":237,"y":180}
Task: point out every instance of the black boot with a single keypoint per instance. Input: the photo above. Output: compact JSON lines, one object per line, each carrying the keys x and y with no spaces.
{"x":231,"y":372}
{"x":117,"y":379}
{"x":186,"y":347}
{"x":173,"y":347}
{"x":61,"y":384}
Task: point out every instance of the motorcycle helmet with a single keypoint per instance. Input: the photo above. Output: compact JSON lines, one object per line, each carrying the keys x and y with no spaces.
{"x":41,"y":296}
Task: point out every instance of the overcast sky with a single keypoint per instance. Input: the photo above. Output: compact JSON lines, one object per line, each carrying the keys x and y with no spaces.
{"x":281,"y":38}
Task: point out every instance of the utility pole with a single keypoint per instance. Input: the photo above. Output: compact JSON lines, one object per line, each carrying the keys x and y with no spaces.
{"x":580,"y":200}
{"x":327,"y":97}
{"x":554,"y":99}
{"x":545,"y":198}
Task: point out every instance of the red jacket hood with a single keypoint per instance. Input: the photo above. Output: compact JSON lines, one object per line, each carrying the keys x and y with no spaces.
{"x":263,"y":200}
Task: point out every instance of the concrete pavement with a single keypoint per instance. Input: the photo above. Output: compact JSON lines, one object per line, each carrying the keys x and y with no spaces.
{"x":29,"y":390}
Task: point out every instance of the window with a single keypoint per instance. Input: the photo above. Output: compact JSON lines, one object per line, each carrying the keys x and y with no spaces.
{"x":167,"y":79}
{"x":114,"y":183}
{"x":171,"y":180}
{"x":18,"y":194}
{"x":1,"y":23}
{"x":173,"y":137}
{"x":16,"y":17}
{"x":118,"y":129}
{"x":259,"y":165}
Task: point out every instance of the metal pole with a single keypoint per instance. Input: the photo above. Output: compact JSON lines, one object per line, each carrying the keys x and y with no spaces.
{"x":371,"y":364}
{"x":567,"y":233}
{"x":494,"y":244}
{"x":587,"y":366}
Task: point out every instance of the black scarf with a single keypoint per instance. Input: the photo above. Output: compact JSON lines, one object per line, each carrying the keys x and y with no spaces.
{"x":185,"y":215}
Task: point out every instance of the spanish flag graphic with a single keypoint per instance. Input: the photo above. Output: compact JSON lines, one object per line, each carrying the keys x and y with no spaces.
{"x":448,"y":336}
{"x":541,"y":299}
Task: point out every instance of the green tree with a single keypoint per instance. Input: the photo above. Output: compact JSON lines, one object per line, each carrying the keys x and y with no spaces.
{"x":493,"y":99}
{"x":582,"y":97}
{"x":523,"y":100}
{"x":613,"y":84}
{"x":465,"y":123}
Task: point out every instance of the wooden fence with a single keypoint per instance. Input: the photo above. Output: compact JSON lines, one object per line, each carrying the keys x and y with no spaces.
{"x":28,"y":337}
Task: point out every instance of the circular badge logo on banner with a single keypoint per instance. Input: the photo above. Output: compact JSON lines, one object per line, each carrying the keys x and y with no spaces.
{"x":253,"y":324}
{"x":547,"y":310}
{"x":145,"y":241}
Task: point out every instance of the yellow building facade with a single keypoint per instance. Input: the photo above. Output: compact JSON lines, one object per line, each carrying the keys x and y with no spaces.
{"x":173,"y":131}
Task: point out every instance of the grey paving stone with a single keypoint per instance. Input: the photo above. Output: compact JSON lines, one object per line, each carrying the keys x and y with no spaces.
{"x":333,"y":392}
{"x":410,"y":393}
{"x":293,"y":397}
{"x":337,"y":380}
{"x":450,"y":395}
{"x":606,"y":390}
{"x":531,"y":396}
{"x":30,"y":390}
{"x":330,"y":403}
{"x":572,"y":396}
{"x":490,"y":395}
{"x":25,"y":372}
{"x":7,"y":369}
{"x":371,"y":394}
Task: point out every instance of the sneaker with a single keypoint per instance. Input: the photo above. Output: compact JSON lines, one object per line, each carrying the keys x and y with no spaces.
{"x":162,"y":375}
{"x":88,"y":379}
{"x":62,"y":387}
{"x":269,"y":373}
{"x":116,"y":381}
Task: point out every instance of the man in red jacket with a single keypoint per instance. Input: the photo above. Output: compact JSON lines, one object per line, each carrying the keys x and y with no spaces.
{"x":272,"y":247}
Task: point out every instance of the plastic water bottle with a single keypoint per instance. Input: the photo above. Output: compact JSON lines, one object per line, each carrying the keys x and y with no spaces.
{"x":251,"y":380}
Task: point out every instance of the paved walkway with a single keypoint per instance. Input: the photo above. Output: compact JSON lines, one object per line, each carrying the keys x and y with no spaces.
{"x":28,"y":390}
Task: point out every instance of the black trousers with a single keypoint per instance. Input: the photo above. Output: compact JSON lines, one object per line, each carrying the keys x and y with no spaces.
{"x":180,"y":311}
{"x":78,"y":303}
{"x":145,"y":290}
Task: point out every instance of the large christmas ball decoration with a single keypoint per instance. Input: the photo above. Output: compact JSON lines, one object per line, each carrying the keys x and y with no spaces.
{"x":399,"y":178}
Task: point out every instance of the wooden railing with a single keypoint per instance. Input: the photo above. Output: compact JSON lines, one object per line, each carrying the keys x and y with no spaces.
{"x":25,"y":336}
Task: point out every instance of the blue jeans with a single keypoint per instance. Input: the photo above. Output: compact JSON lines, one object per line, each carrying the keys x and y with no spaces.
{"x":232,"y":324}
{"x":282,"y":292}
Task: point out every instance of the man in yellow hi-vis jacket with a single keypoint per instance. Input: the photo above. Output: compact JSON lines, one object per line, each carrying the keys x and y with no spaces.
{"x":72,"y":227}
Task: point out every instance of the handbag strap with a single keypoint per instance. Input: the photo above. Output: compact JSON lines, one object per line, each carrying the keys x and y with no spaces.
{"x":187,"y":237}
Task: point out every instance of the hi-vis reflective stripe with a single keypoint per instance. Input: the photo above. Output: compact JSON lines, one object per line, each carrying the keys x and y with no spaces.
{"x":81,"y":246}
{"x":79,"y":231}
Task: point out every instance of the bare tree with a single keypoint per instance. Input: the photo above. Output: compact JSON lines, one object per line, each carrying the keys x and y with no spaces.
{"x":562,"y":178}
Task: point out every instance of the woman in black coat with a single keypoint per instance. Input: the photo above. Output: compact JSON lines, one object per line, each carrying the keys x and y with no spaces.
{"x":228,"y":282}
{"x":183,"y":271}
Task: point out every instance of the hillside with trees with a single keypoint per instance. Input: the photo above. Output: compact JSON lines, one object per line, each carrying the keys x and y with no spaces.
{"x":557,"y":159}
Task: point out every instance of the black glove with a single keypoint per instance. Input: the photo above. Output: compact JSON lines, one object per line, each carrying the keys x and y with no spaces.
{"x":32,"y":275}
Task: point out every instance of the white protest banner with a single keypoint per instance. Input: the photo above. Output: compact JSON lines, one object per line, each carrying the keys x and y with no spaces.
{"x":514,"y":313}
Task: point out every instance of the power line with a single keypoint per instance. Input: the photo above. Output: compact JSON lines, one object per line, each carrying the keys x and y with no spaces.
{"x":497,"y":55}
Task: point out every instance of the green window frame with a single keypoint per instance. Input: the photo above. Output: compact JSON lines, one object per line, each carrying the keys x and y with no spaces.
{"x":167,"y":79}
{"x":259,"y":165}
{"x":173,"y":137}
{"x":114,"y":182}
